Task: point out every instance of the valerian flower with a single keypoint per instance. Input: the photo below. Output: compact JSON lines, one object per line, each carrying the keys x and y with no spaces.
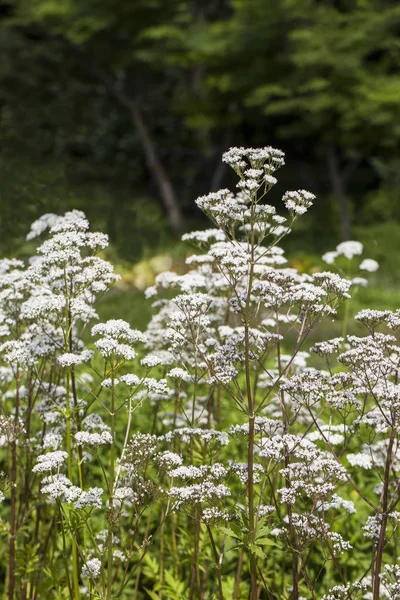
{"x":92,"y":568}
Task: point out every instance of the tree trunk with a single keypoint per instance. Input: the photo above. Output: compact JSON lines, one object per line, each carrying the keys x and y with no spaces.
{"x":219,"y":172}
{"x":339,"y":189}
{"x":154,"y":164}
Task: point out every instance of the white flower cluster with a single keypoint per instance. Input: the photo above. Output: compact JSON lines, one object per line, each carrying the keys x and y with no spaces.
{"x":92,"y":568}
{"x":349,"y":250}
{"x":213,"y":514}
{"x":205,"y":436}
{"x":267,"y":157}
{"x":316,"y":477}
{"x":59,"y":487}
{"x":90,"y":499}
{"x":230,"y":334}
{"x":197,"y":493}
{"x":117,"y":339}
{"x":69,"y":359}
{"x":215,"y":472}
{"x":93,"y":439}
{"x":372,"y":527}
{"x":338,"y":502}
{"x":50,"y":461}
{"x":298,"y":202}
{"x":350,"y":590}
{"x":391,"y":581}
{"x":205,"y":236}
{"x":169,"y":459}
{"x":241,"y":470}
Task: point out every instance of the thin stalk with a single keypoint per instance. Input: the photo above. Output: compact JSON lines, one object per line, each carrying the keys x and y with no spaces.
{"x":292,"y":531}
{"x":195,"y":576}
{"x":238,"y":576}
{"x":75,"y":402}
{"x":75,"y":563}
{"x":126,"y":440}
{"x":65,"y":550}
{"x":382,"y":532}
{"x":13,"y":498}
{"x":218,"y":562}
{"x":24,"y":500}
{"x":111,"y":484}
{"x":139,"y":564}
{"x":161,"y":559}
{"x":251,"y":413}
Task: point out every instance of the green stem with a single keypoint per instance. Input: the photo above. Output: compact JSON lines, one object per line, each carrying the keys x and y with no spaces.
{"x":13,"y":499}
{"x":75,"y":558}
{"x":217,"y":562}
{"x":65,"y":549}
{"x":111,"y":485}
{"x":251,"y":413}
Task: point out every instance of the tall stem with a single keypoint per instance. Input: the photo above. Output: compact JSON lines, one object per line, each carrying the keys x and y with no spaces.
{"x":292,"y":531}
{"x":65,"y":548}
{"x":13,"y":499}
{"x":251,"y":413}
{"x":195,"y":577}
{"x":75,"y":566}
{"x":382,"y":532}
{"x":111,"y":484}
{"x":217,"y":558}
{"x":75,"y":558}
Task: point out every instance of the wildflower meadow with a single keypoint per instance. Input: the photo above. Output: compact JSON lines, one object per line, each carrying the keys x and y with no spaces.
{"x":228,"y":450}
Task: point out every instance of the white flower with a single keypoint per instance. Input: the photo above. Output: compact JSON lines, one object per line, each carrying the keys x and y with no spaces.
{"x":108,"y":346}
{"x":90,"y":499}
{"x":329,"y":257}
{"x":92,"y":568}
{"x":108,"y":383}
{"x":204,"y":435}
{"x":131,"y":379}
{"x":152,"y":360}
{"x":214,"y":472}
{"x":215,"y":514}
{"x":39,"y":226}
{"x":50,"y":461}
{"x":369,"y":264}
{"x":372,"y":527}
{"x":119,"y":556}
{"x":204,"y":237}
{"x":59,"y":487}
{"x":123,"y":492}
{"x":359,"y":281}
{"x":179,"y":373}
{"x":69,"y":359}
{"x":94,"y":421}
{"x":119,"y":330}
{"x":298,"y":202}
{"x":360,"y":460}
{"x":266,"y":509}
{"x":198,"y":492}
{"x":17,"y":352}
{"x":169,"y":459}
{"x":53,"y":440}
{"x":93,"y":439}
{"x":349,"y":249}
{"x":338,"y":502}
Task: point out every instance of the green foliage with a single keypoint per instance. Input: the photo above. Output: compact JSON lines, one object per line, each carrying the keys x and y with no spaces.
{"x":319,"y":77}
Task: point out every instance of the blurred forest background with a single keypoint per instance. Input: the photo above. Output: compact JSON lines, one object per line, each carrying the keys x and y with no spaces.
{"x":122,"y":108}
